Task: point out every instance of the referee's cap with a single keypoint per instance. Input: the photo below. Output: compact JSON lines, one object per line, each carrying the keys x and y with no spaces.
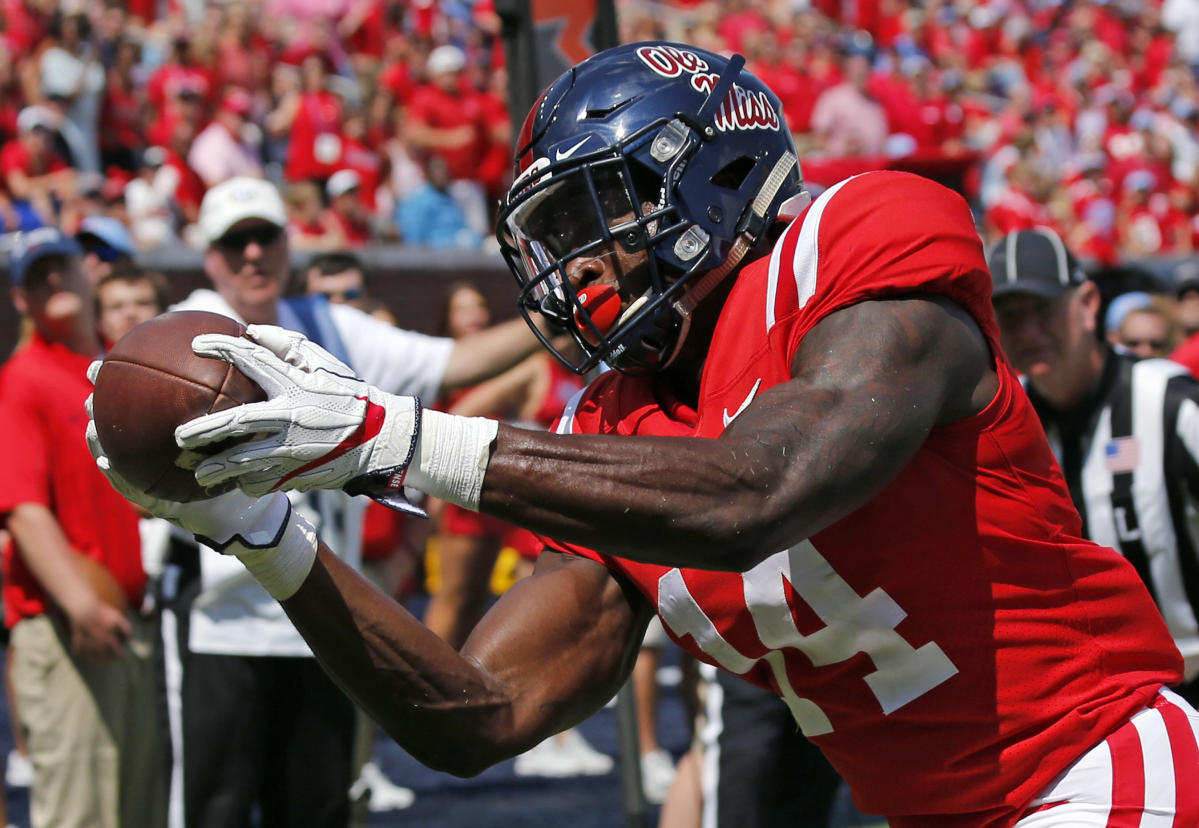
{"x":1033,"y":261}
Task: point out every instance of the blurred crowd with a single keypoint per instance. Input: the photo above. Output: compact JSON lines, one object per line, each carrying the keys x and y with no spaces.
{"x":388,"y":120}
{"x":1079,"y":116}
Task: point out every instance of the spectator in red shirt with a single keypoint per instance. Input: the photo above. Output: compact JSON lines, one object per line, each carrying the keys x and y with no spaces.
{"x":740,"y":20}
{"x":358,"y":154}
{"x":33,"y":171}
{"x":242,"y":48}
{"x":1147,"y":223}
{"x":122,"y":118}
{"x":363,"y":27}
{"x":820,"y":70}
{"x":495,"y":166}
{"x":345,"y":207}
{"x":188,"y":108}
{"x":180,"y":75}
{"x":1021,"y":204}
{"x":24,"y":24}
{"x":11,"y":98}
{"x":397,"y":76}
{"x":445,"y":121}
{"x":784,"y":76}
{"x":84,"y":680}
{"x":310,"y":118}
{"x":1093,"y":234}
{"x":189,"y":188}
{"x":309,"y":226}
{"x":928,"y":115}
{"x":378,"y":117}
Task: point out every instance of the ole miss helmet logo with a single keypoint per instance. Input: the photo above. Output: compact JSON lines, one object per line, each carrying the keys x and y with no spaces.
{"x":742,"y":109}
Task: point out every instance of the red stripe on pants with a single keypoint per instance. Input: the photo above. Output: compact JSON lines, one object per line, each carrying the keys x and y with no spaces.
{"x":1128,"y":778}
{"x":1186,"y":763}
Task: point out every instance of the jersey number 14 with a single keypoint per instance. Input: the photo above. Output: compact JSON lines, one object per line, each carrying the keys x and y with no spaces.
{"x":852,"y":624}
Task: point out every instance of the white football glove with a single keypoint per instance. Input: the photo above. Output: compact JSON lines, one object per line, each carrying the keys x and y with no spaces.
{"x":321,"y":428}
{"x":276,"y":545}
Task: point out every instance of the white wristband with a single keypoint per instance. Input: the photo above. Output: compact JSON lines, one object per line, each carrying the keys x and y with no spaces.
{"x":451,"y":457}
{"x":281,"y":569}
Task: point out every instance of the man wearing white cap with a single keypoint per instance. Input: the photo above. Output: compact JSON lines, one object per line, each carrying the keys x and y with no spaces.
{"x":445,"y":119}
{"x":345,"y":206}
{"x":253,"y":719}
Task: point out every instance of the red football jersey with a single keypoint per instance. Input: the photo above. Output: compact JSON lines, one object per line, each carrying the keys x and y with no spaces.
{"x":955,"y":643}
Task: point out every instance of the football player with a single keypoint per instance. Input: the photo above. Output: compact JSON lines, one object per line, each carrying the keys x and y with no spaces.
{"x":812,"y":462}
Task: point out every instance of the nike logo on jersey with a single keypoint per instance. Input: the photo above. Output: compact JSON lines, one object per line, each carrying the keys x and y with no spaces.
{"x":728,"y":418}
{"x":559,"y":155}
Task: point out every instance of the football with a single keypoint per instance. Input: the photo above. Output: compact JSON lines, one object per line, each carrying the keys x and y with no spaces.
{"x":151,"y":382}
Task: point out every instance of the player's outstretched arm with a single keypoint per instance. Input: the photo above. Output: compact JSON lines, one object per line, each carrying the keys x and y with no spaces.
{"x":869,"y":383}
{"x":551,"y":652}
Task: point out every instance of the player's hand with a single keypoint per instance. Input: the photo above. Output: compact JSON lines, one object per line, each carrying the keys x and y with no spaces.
{"x":277,"y":546}
{"x":321,"y":428}
{"x":218,"y":521}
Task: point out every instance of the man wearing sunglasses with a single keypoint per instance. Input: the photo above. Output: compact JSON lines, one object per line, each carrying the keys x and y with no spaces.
{"x":338,"y":276}
{"x":1124,"y":429}
{"x":257,"y":721}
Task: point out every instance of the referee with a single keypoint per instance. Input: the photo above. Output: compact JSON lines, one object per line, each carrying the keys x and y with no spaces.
{"x":1126,"y":431}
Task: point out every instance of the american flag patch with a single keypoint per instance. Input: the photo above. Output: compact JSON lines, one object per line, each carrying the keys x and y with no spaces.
{"x":1122,"y":454}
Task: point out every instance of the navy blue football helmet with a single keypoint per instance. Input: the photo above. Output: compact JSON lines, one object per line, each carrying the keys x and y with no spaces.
{"x":665,"y":156}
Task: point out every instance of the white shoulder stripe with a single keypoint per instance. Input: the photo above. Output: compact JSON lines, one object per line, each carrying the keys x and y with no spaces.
{"x":567,"y":420}
{"x":804,"y":263}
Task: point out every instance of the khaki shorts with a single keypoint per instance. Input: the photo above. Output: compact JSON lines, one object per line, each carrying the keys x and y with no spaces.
{"x":90,"y":729}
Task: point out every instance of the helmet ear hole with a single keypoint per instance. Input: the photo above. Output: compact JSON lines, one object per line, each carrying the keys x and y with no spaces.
{"x":647,"y":183}
{"x":733,"y":174}
{"x":602,"y":113}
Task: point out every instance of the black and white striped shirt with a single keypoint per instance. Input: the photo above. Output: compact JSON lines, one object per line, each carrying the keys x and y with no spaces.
{"x":1130,"y":455}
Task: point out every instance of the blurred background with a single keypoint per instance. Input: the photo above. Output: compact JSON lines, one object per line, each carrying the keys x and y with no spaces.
{"x":388,"y":124}
{"x":388,"y":127}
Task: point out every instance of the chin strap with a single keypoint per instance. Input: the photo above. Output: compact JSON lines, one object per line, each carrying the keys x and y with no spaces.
{"x":685,"y":305}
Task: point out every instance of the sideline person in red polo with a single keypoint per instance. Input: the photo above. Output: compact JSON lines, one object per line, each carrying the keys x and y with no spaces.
{"x":82,"y":673}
